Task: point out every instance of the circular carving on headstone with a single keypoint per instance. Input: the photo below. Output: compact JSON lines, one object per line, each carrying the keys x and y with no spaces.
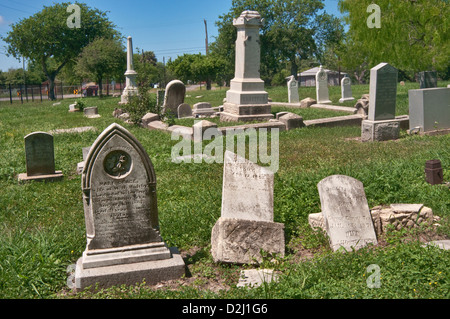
{"x":117,"y":164}
{"x":323,"y":76}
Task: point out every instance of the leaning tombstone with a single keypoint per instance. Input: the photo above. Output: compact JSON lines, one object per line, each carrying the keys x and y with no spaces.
{"x":246,"y":225}
{"x":174,"y":96}
{"x":427,"y":79}
{"x":346,"y":90}
{"x":322,"y":87}
{"x":40,"y":158}
{"x":381,"y":124}
{"x":124,"y":245}
{"x":293,"y":90}
{"x":346,"y":212}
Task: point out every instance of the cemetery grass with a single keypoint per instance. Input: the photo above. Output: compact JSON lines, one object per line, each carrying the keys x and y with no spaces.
{"x":43,"y":232}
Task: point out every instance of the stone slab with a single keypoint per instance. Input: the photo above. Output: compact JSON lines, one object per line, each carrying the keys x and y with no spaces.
{"x":57,"y":176}
{"x":443,"y":244}
{"x":151,"y":272}
{"x":338,"y":108}
{"x":355,"y":119}
{"x":372,"y":131}
{"x":240,"y":241}
{"x":253,"y":278}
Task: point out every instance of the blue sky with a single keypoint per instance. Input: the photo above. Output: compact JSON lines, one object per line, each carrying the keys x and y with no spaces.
{"x":167,"y":27}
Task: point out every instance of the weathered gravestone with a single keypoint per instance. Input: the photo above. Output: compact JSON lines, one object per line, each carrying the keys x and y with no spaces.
{"x":293,"y":90}
{"x":428,"y":79}
{"x":124,"y":245}
{"x":381,"y":124}
{"x":184,"y":110}
{"x":246,"y":99}
{"x":174,"y":96}
{"x":322,"y":86}
{"x":346,"y":212}
{"x":246,"y":224}
{"x":346,"y":90}
{"x":429,"y":109}
{"x":40,"y":158}
{"x":91,"y":112}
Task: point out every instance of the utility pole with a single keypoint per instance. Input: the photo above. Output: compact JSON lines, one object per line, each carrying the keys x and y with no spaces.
{"x":206,"y":39}
{"x":208,"y":80}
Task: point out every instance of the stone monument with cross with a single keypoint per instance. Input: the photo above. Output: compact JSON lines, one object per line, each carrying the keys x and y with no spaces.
{"x":130,"y":75}
{"x":246,"y":99}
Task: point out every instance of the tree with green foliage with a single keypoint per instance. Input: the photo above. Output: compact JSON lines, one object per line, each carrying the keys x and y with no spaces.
{"x":102,"y":58}
{"x":413,"y":35}
{"x":46,"y":36}
{"x":292,"y":30}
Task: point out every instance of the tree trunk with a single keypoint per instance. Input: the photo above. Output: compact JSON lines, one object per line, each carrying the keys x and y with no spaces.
{"x":51,"y":87}
{"x":294,"y":69}
{"x":100,"y":86}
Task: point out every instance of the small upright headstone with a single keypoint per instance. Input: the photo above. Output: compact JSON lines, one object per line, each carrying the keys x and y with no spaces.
{"x":174,"y":96}
{"x":428,"y":79}
{"x":381,"y":124}
{"x":346,"y":90}
{"x":40,"y":158}
{"x":124,"y":245}
{"x":293,"y":90}
{"x":346,"y":212}
{"x":246,"y":224}
{"x":91,"y":112}
{"x":184,"y":110}
{"x":322,"y":87}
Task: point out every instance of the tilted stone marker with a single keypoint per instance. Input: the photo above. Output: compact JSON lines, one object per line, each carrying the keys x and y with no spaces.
{"x":381,"y":124}
{"x":346,"y":90}
{"x":246,"y":224}
{"x":174,"y":96}
{"x":40,"y":158}
{"x":346,"y":212}
{"x":427,"y":79}
{"x":322,"y":87}
{"x":246,"y":99}
{"x":429,"y":109}
{"x":293,"y":90}
{"x":124,"y":245}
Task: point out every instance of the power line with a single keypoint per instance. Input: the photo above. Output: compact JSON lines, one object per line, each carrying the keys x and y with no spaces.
{"x":15,"y":9}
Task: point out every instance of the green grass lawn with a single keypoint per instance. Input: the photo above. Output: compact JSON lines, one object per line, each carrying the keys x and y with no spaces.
{"x":42,"y":228}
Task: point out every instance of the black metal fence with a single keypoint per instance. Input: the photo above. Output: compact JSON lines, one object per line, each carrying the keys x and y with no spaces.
{"x":23,"y":93}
